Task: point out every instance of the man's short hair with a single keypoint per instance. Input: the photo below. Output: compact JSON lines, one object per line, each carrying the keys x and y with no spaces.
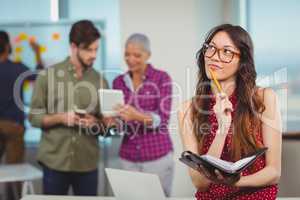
{"x":83,"y":33}
{"x":4,"y":41}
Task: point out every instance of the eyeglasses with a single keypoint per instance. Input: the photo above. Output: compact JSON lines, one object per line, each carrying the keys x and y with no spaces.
{"x":225,"y":55}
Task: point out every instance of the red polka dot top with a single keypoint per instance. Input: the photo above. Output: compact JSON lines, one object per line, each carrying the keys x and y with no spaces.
{"x":221,"y":191}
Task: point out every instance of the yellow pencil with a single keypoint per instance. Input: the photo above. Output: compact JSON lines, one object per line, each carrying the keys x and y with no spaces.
{"x":212,"y":74}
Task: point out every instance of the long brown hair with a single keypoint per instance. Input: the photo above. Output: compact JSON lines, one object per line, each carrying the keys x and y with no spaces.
{"x":246,"y":120}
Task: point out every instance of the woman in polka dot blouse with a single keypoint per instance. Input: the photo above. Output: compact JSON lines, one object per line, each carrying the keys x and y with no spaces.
{"x":231,"y":117}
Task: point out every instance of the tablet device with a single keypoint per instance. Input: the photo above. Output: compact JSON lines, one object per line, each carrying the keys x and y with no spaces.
{"x":109,"y":99}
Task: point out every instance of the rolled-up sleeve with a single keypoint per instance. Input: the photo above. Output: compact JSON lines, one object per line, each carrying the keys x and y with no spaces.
{"x":156,"y":120}
{"x":161,"y":114}
{"x":38,"y":107}
{"x":161,"y":117}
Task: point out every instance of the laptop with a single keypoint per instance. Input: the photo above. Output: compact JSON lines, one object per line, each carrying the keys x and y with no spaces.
{"x":130,"y":185}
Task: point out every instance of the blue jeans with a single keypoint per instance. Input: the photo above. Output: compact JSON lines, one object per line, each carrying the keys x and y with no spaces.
{"x":58,"y":182}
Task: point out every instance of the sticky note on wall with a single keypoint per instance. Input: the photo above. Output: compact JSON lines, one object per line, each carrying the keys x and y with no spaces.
{"x":23,"y":36}
{"x":55,"y":36}
{"x":19,"y":49}
{"x":43,"y":49}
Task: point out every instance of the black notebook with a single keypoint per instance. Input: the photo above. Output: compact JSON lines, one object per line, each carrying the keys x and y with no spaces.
{"x":211,"y":163}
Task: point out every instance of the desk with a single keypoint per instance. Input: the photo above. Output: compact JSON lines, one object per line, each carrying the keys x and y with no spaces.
{"x":25,"y":173}
{"x":44,"y":197}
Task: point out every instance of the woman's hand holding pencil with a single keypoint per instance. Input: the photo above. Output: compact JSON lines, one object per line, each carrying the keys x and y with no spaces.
{"x":222,"y":108}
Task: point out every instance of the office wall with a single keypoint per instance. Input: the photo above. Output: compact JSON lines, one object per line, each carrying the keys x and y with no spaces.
{"x":176,"y":29}
{"x":274,"y":27}
{"x":107,"y":10}
{"x":39,"y":10}
{"x":20,"y":10}
{"x":232,"y":11}
{"x":172,"y":26}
